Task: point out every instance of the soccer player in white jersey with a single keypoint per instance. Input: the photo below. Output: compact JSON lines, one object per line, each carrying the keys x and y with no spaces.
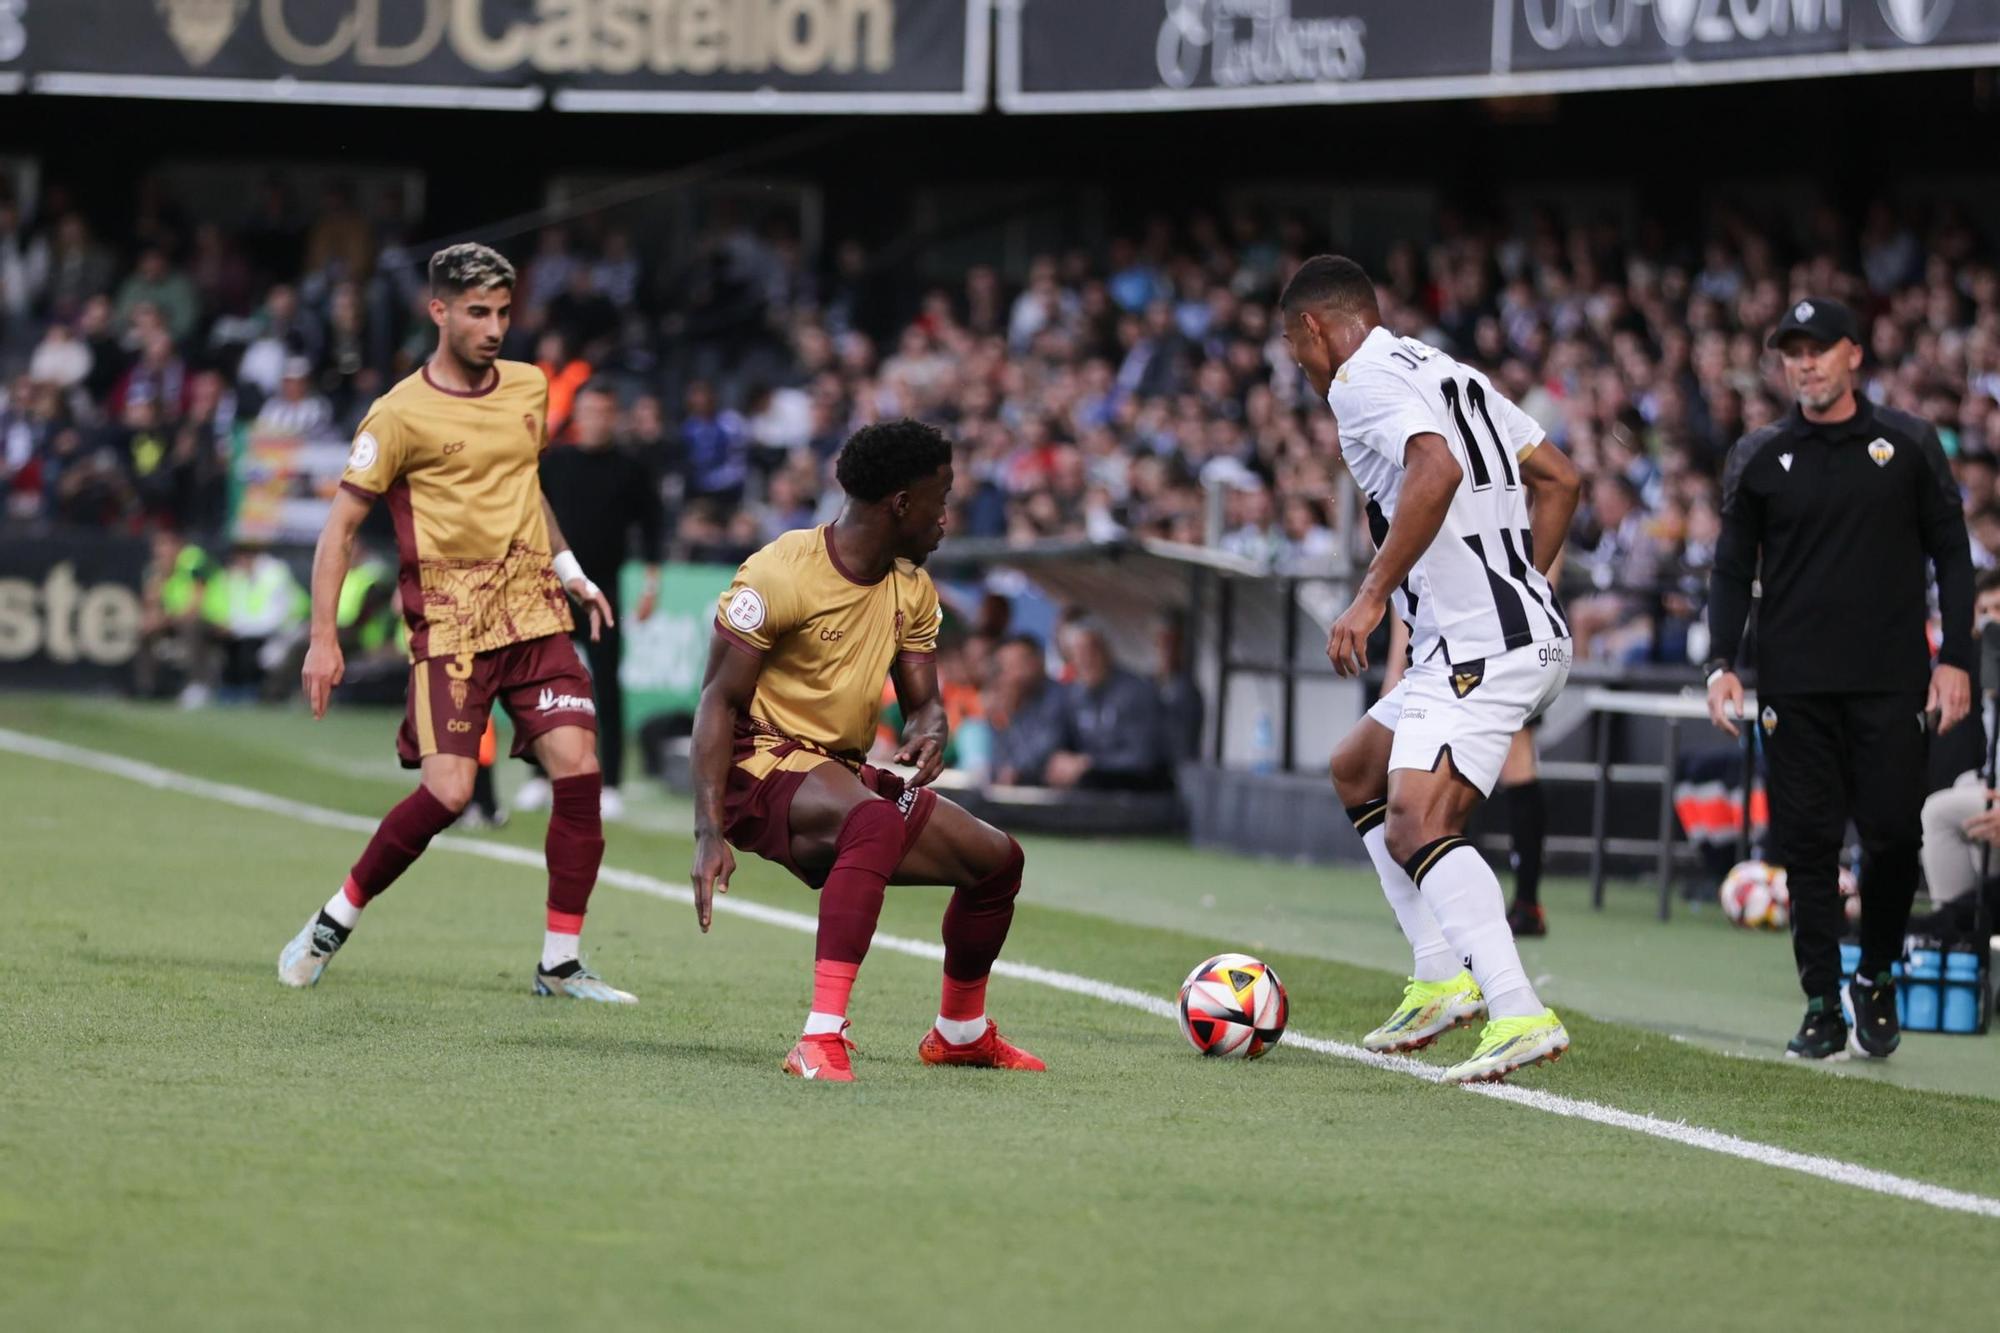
{"x":1475,"y":512}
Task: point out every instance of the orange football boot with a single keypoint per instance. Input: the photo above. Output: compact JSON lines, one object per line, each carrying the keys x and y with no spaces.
{"x":822,"y":1055}
{"x":989,"y":1051}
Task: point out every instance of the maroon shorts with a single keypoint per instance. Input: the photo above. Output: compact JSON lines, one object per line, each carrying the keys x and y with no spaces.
{"x":541,"y":683}
{"x":757,"y":812}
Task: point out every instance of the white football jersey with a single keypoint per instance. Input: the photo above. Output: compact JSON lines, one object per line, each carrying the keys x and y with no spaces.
{"x":1483,"y":589}
{"x":1381,"y":481}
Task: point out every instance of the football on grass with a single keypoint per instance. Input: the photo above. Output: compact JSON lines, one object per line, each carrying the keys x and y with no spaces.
{"x":1232,"y":1005}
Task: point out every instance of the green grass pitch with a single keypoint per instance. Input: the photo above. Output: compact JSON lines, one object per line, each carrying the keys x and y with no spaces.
{"x":418,"y":1143}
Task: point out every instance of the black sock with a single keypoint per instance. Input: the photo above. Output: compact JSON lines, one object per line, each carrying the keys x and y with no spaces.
{"x":483,"y":794}
{"x":1527,"y":818}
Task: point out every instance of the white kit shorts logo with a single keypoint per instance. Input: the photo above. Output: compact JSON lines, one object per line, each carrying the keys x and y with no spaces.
{"x":746,"y":610}
{"x":551,"y":702}
{"x":364,"y":453}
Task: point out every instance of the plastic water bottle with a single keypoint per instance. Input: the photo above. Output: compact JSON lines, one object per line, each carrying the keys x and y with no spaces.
{"x":1961,"y":992}
{"x":1926,"y":972}
{"x":1264,"y":744}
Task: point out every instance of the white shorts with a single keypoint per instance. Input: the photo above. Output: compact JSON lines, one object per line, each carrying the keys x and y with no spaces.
{"x":1472,"y":709}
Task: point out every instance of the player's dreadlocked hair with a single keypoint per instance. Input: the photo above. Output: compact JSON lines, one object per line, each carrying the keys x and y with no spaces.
{"x":458,"y":269}
{"x":890,"y":456}
{"x":1331,"y":280}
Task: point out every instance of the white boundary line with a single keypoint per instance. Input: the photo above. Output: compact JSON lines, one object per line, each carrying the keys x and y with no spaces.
{"x":1708,"y":1140}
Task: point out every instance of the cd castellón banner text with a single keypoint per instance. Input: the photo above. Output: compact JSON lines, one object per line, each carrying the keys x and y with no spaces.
{"x":628,"y":55}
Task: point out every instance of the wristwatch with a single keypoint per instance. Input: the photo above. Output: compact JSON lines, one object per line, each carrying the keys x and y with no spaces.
{"x":1716,"y":666}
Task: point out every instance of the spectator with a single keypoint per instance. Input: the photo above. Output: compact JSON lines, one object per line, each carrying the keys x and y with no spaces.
{"x":297,"y":410}
{"x":173,"y":630}
{"x":167,"y":290}
{"x":1027,"y":713}
{"x":259,"y":610}
{"x":1614,"y":621}
{"x":24,"y":274}
{"x":1112,"y":732}
{"x":716,"y":448}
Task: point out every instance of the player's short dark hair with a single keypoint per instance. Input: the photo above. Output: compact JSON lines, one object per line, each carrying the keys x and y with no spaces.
{"x":1988,"y":581}
{"x":458,"y":269}
{"x":890,"y":456}
{"x":1330,"y":280}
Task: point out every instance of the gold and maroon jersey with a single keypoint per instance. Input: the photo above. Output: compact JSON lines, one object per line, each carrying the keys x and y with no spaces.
{"x":459,"y":473}
{"x":827,"y":641}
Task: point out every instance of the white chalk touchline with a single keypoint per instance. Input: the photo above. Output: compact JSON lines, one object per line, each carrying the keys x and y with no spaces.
{"x":1693,"y":1136}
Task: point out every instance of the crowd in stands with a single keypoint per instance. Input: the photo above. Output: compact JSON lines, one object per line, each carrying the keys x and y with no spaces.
{"x":1141,"y":388}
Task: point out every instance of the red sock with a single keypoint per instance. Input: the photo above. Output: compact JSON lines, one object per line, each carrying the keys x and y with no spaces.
{"x":575,"y":845}
{"x":866,"y":853}
{"x":832,"y":983}
{"x":975,"y":926}
{"x":399,"y":839}
{"x":963,"y":1000}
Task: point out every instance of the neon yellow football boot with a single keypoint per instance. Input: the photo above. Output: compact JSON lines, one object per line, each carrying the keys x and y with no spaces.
{"x":1428,"y":1010}
{"x":1508,"y":1044}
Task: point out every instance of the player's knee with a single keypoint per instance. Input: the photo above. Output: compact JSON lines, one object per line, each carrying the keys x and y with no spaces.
{"x":1410,"y":826}
{"x":1001,"y":865}
{"x":872,"y":829}
{"x":453,"y":790}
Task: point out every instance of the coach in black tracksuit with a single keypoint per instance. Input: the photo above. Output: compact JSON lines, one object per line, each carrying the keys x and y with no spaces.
{"x":1847,"y":503}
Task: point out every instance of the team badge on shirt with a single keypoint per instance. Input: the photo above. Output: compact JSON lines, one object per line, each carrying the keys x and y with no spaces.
{"x":1769,"y":719}
{"x":1881,"y":451}
{"x":746,"y":610}
{"x":365,"y":451}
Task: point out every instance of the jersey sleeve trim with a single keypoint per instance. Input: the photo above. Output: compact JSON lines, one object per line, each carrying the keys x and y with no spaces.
{"x":1521,"y":454}
{"x":361,"y":491}
{"x":915,"y":658}
{"x":737,"y":641}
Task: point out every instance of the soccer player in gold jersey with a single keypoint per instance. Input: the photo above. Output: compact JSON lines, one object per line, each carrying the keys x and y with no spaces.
{"x":804,"y":638}
{"x":453,"y":450}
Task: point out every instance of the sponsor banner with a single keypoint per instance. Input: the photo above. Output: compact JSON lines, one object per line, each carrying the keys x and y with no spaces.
{"x":628,"y":55}
{"x":69,"y":610}
{"x":283,"y":484}
{"x":1591,"y":34}
{"x":1057,"y":55}
{"x":1142,"y":55}
{"x":13,"y":43}
{"x":1924,"y":24}
{"x":666,"y":653}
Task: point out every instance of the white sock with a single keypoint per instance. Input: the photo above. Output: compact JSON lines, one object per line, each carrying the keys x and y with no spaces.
{"x":818,"y":1024}
{"x":959,"y":1031}
{"x":341,"y":910}
{"x":1464,"y":895}
{"x":1434,"y":958}
{"x":558,"y":949}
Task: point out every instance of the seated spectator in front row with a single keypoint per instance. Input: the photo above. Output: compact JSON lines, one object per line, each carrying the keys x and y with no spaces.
{"x":1026,"y":710}
{"x":1111,"y":722}
{"x":1957,"y":825}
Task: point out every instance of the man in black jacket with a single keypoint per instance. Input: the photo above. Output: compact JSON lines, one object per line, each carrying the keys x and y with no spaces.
{"x":608,"y":504}
{"x":1846,"y":503}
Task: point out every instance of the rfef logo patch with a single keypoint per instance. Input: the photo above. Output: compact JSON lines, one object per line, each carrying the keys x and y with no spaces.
{"x":365,"y":452}
{"x":745,"y":610}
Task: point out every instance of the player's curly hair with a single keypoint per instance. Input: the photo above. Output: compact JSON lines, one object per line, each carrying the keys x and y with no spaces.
{"x":458,"y":269}
{"x":1333,"y":280}
{"x":890,"y":456}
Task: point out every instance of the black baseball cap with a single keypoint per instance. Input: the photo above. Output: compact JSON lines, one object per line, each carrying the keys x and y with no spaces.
{"x":1822,"y":321}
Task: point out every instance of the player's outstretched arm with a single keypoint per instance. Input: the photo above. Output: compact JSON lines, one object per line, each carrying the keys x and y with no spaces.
{"x":1553,"y":491}
{"x":726,"y":692}
{"x":324,"y":664}
{"x":927,"y":728}
{"x":1430,"y":480}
